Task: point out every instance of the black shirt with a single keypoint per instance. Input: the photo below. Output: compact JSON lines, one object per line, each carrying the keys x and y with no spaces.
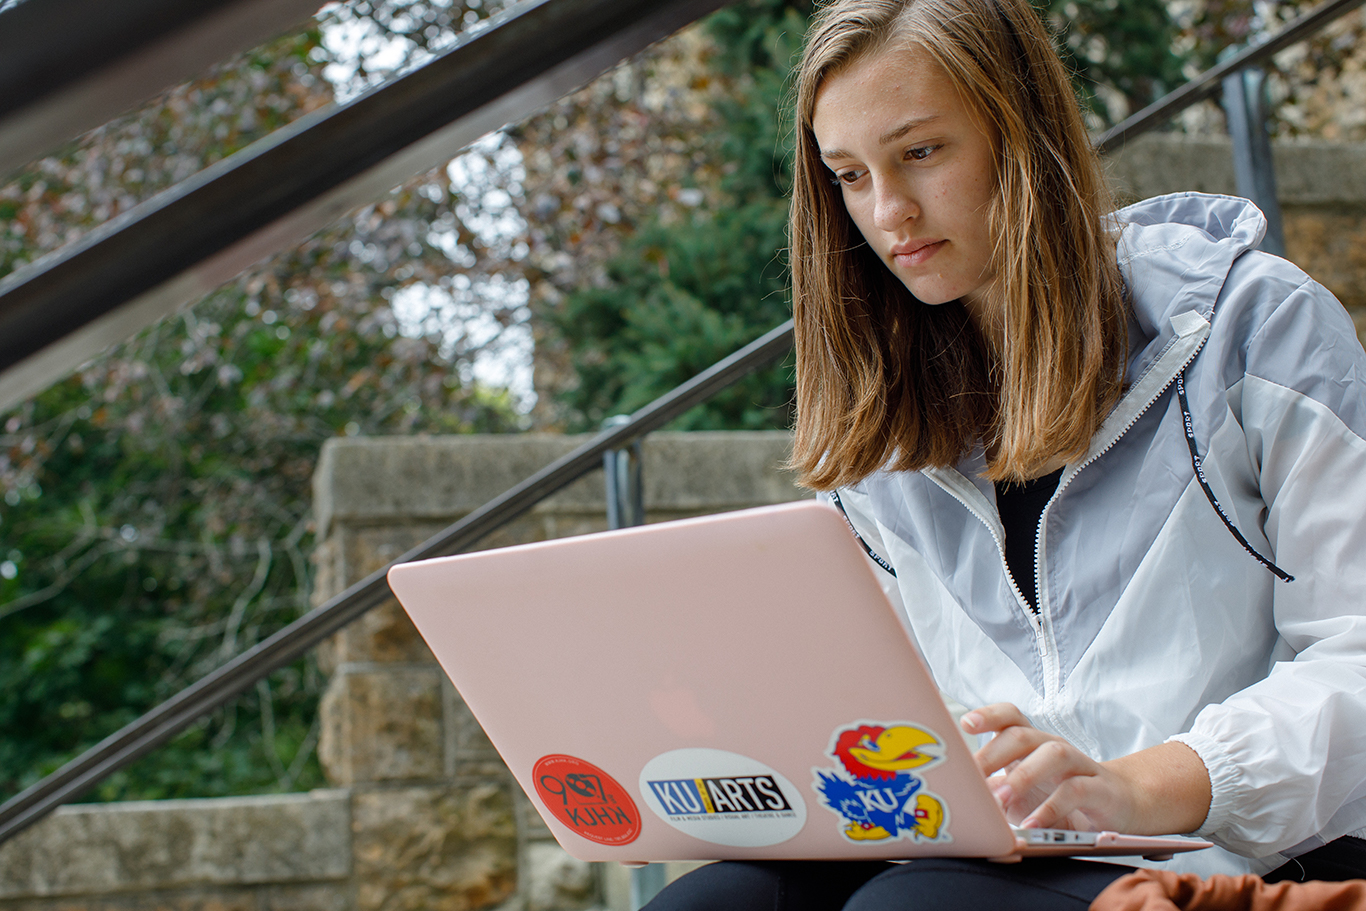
{"x":1021,"y":507}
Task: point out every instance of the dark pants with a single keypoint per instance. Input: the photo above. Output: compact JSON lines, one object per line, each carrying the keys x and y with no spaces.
{"x":964,"y":885}
{"x":1334,"y":862}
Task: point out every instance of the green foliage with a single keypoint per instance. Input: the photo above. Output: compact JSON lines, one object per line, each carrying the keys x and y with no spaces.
{"x":1123,"y":53}
{"x":680,"y":300}
{"x":682,"y":296}
{"x":157,"y":522}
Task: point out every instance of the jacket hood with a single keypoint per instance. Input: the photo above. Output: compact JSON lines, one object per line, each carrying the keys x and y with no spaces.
{"x":1175,"y":253}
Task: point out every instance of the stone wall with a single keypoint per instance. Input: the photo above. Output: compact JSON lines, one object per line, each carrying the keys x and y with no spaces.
{"x":423,"y":814}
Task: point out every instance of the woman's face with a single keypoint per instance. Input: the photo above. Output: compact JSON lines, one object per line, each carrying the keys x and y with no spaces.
{"x":915,"y":171}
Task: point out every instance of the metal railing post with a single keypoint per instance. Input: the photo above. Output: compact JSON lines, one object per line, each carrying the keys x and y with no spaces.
{"x":623,"y":472}
{"x":621,"y":469}
{"x":646,"y":883}
{"x":1244,"y":105}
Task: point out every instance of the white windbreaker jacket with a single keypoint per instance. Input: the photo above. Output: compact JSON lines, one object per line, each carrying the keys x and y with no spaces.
{"x":1153,"y":622}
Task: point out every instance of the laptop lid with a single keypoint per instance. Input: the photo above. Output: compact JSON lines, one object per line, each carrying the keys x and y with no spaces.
{"x":732,"y":686}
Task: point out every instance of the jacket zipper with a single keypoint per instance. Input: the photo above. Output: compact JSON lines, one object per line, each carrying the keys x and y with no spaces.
{"x":1052,"y":676}
{"x":996,"y":536}
{"x":1040,"y":618}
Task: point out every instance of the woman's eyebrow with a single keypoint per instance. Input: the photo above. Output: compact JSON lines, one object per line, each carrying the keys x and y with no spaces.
{"x":907,"y":127}
{"x":889,"y":137}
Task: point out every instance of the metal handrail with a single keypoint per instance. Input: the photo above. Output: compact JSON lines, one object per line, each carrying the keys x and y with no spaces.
{"x":65,"y":308}
{"x":161,"y":723}
{"x":67,"y":66}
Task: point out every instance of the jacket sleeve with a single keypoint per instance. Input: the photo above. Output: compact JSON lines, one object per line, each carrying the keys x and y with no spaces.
{"x":1288,"y":753}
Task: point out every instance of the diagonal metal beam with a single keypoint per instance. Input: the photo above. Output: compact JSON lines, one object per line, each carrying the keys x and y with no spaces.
{"x":64,"y":309}
{"x":67,"y":66}
{"x":215,"y":689}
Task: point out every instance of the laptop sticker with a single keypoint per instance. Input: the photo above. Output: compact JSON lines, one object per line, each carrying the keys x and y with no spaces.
{"x":723,"y":798}
{"x":586,"y":799}
{"x":876,"y":790}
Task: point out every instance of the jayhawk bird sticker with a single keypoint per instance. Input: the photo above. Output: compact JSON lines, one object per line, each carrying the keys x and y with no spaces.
{"x":877,"y":791}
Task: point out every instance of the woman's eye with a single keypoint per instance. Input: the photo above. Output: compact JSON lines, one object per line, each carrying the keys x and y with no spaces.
{"x":920,"y":153}
{"x":846,"y":177}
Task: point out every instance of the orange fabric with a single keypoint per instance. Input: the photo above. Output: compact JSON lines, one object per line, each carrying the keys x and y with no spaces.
{"x":1159,"y":890}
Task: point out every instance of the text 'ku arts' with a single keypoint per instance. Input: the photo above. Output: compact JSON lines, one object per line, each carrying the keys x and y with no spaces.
{"x":694,"y":796}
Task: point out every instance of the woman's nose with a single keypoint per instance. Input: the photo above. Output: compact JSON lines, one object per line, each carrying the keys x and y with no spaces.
{"x":893,"y":205}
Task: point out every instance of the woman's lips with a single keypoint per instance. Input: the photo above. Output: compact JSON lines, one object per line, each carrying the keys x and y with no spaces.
{"x":913,"y":254}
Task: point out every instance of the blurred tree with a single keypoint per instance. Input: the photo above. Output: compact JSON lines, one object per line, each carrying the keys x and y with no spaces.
{"x":1124,"y":54}
{"x":157,"y":511}
{"x":640,"y":284}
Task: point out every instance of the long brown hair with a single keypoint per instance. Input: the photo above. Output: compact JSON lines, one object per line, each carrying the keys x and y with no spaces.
{"x":886,"y":381}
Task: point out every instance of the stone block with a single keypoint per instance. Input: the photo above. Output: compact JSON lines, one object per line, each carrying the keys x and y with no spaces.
{"x":708,"y":472}
{"x":328,"y":563}
{"x":1330,"y":246}
{"x":426,"y":477}
{"x":221,"y":899}
{"x":1308,"y":173}
{"x":468,"y":751}
{"x":383,"y":635}
{"x":1312,"y":172}
{"x":315,"y":897}
{"x":382,"y":724}
{"x":312,"y":897}
{"x":108,"y":848}
{"x":368,"y":547}
{"x":451,"y":848}
{"x":554,"y":881}
{"x":533,"y":826}
{"x":447,"y":477}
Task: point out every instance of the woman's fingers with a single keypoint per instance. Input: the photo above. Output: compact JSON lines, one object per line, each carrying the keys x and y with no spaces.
{"x":1040,"y":780}
{"x":1074,"y":804}
{"x":1015,"y":737}
{"x":1043,"y":781}
{"x":993,"y":717}
{"x":1054,"y":770}
{"x":1010,"y":745}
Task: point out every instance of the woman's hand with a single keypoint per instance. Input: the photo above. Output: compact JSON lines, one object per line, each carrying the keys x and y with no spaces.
{"x":1042,"y":781}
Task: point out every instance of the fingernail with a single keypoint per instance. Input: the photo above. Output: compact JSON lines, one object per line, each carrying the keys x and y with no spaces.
{"x":972,"y":721}
{"x":1030,"y":823}
{"x":1002,"y":793}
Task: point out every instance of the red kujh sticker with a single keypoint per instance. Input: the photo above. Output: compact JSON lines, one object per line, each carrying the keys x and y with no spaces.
{"x":586,"y":799}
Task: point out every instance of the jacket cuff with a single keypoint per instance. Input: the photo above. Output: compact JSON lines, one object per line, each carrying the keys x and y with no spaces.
{"x":1223,"y":777}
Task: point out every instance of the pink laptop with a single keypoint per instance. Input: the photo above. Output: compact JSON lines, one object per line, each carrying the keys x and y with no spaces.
{"x":734,"y":686}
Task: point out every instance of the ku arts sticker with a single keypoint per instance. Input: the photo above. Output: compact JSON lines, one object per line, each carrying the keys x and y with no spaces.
{"x":723,"y":798}
{"x":876,"y":790}
{"x":586,"y":799}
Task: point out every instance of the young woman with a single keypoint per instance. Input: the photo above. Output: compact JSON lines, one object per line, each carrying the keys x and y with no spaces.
{"x":1113,"y":465}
